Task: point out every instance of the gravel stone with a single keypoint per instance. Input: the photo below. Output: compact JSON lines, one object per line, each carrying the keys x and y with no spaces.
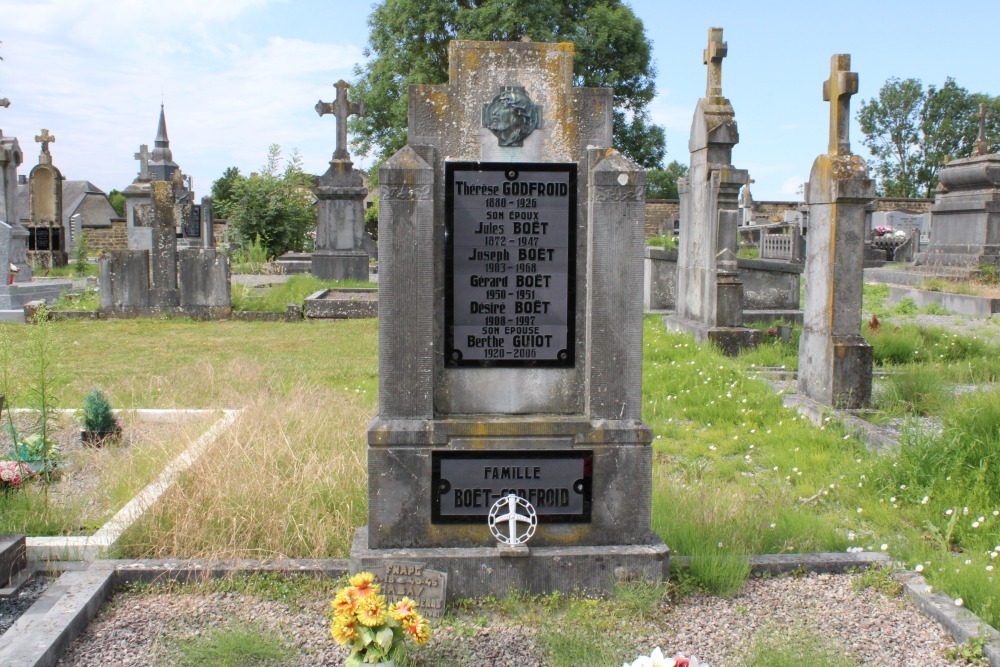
{"x":143,"y":628}
{"x":11,"y":608}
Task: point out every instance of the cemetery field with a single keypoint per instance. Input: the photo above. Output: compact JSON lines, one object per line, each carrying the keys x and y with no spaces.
{"x":735,"y":472}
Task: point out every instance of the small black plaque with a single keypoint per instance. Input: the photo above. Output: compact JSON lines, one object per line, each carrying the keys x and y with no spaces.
{"x":465,"y":484}
{"x":510,"y":297}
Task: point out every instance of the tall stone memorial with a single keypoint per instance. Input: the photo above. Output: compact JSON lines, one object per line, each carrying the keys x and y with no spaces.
{"x":965,"y":216}
{"x":339,"y":253}
{"x":510,"y":332}
{"x":45,"y":181}
{"x":16,"y":236}
{"x":835,"y":362}
{"x":709,"y":290}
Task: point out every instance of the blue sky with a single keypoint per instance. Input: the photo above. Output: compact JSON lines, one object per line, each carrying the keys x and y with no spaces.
{"x":238,"y":75}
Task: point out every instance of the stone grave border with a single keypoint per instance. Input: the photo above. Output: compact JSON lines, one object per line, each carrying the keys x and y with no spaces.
{"x":89,"y":547}
{"x":969,"y":305}
{"x":41,"y":636}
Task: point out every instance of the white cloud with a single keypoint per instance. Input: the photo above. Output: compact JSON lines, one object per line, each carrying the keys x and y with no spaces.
{"x":792,"y":185}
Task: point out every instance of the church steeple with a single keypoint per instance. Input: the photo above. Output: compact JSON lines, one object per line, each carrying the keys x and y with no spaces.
{"x":162,"y":165}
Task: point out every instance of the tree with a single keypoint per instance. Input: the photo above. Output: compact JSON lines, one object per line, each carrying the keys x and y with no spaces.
{"x":274,"y":206}
{"x":408,"y":44}
{"x":223,"y":191}
{"x":913,"y":133}
{"x":891,"y":125}
{"x":117,"y":200}
{"x":662,"y":183}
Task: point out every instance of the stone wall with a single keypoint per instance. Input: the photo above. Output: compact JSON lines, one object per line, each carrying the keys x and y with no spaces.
{"x":916,"y":206}
{"x":660,"y":216}
{"x":114,"y":237}
{"x":774,"y":210}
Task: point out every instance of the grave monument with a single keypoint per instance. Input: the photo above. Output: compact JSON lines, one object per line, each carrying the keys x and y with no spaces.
{"x":835,"y":362}
{"x":188,"y":281}
{"x":17,"y":236}
{"x":965,"y":216}
{"x":339,"y":252}
{"x":709,"y":290}
{"x":48,"y":240}
{"x":510,"y":333}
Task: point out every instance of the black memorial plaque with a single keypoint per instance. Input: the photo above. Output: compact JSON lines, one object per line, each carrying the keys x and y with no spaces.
{"x":510,"y":298}
{"x":192,"y":229}
{"x":42,"y":240}
{"x":465,"y":484}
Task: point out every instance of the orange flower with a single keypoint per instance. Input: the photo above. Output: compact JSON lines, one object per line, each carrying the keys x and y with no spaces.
{"x":343,"y":630}
{"x":419,"y":629}
{"x":371,"y":610}
{"x":344,"y":604}
{"x":363,"y":585}
{"x":403,"y":610}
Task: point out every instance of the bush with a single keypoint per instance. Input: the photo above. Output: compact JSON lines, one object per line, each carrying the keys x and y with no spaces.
{"x":97,"y":414}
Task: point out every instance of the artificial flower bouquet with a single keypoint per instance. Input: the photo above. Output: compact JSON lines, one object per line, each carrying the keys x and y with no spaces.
{"x":657,"y":659}
{"x":13,"y":475}
{"x":374,"y":630}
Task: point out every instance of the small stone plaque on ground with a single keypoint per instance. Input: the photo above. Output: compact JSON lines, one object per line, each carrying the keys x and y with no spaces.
{"x":511,"y":262}
{"x":465,"y":484}
{"x":428,"y":588}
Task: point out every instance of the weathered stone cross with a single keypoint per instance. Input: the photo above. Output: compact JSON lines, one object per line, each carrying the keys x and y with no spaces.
{"x":143,"y":157}
{"x":341,"y":109}
{"x":45,"y":139}
{"x":837,"y":90}
{"x":712,"y":57}
{"x":982,"y":146}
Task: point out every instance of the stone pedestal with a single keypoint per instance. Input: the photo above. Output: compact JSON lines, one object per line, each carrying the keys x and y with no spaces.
{"x":340,"y":225}
{"x":965,"y":216}
{"x":835,"y":362}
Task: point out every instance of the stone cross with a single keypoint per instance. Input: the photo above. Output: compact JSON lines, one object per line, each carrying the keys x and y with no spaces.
{"x":45,"y":139}
{"x":837,"y":90}
{"x":143,"y":157}
{"x":712,"y":57}
{"x":982,"y":146}
{"x":341,"y":109}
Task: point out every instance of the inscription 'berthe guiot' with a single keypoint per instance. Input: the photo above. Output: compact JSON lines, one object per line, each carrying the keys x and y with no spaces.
{"x":511,"y":264}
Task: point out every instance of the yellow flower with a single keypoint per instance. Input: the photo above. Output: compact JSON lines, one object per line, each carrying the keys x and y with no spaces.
{"x":371,"y":610}
{"x":419,"y":629}
{"x":343,"y":603}
{"x":363,"y":585}
{"x":342,"y":630}
{"x":403,"y":610}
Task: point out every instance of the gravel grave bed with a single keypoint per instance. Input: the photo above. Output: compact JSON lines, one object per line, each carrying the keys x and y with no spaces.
{"x":85,"y":470}
{"x":145,"y":628}
{"x":11,"y":608}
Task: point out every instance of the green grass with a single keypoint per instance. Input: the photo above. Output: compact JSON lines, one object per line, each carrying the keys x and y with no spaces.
{"x":68,"y":271}
{"x":241,"y":646}
{"x":748,"y":252}
{"x":277,"y":297}
{"x":796,"y":646}
{"x":665,"y":242}
{"x":87,"y":299}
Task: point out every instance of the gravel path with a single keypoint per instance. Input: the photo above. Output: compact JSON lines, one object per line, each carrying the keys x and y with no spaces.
{"x":144,"y":629}
{"x":12,"y":608}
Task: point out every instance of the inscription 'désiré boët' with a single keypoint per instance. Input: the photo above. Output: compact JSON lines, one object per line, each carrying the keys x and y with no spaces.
{"x":510,"y":264}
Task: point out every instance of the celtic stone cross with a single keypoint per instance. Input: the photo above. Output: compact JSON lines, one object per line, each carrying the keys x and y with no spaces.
{"x":982,"y":146}
{"x":341,"y":109}
{"x":45,"y":139}
{"x":712,"y":57}
{"x":143,"y":157}
{"x":837,"y":90}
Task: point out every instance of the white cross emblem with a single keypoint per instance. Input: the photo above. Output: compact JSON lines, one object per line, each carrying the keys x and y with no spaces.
{"x":505,"y":512}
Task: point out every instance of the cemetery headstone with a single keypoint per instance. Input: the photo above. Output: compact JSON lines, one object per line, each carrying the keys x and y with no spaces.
{"x":46,"y":208}
{"x":965,"y":216}
{"x":709,"y":291}
{"x":10,"y":159}
{"x":339,"y":252}
{"x":510,"y":332}
{"x":835,"y":361}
